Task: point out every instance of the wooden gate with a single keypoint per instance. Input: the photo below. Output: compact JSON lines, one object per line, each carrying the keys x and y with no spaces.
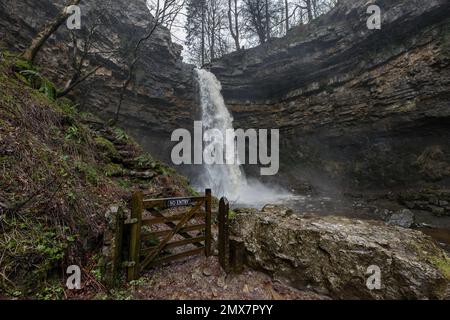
{"x":143,"y":255}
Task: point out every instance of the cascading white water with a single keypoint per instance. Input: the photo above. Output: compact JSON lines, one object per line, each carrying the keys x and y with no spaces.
{"x":228,"y":179}
{"x":224,"y":179}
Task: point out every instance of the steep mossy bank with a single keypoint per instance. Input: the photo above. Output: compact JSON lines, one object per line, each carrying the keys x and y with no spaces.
{"x":60,"y":171}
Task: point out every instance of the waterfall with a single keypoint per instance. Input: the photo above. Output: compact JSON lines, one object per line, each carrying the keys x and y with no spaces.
{"x":224,"y":179}
{"x":228,"y":179}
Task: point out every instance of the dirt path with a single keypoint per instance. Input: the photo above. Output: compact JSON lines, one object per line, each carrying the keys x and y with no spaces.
{"x":202,"y":278}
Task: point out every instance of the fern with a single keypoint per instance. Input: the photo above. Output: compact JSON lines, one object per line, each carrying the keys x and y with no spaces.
{"x":121,"y":135}
{"x":48,"y":89}
{"x":35,"y":80}
{"x":72,"y":133}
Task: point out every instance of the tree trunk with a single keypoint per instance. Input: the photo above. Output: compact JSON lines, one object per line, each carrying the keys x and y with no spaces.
{"x":74,"y":82}
{"x":314,"y":8}
{"x":234,"y":32}
{"x":286,"y":11}
{"x":203,"y":35}
{"x":131,"y":68}
{"x":267,"y":21}
{"x":309,"y":10}
{"x":213,"y":35}
{"x":236,"y":23}
{"x":39,"y":40}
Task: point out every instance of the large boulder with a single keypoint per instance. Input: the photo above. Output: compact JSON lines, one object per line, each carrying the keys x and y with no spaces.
{"x":337,"y":256}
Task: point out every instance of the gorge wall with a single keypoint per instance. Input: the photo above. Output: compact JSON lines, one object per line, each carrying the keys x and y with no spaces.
{"x":161,"y":97}
{"x":356,"y":108}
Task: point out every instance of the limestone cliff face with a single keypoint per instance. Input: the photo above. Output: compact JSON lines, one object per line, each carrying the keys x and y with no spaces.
{"x":356,"y":107}
{"x":161,"y":96}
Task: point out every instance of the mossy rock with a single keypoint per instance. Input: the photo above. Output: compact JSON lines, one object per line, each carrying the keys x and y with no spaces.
{"x":443,"y":264}
{"x":106,"y":147}
{"x":144,"y":161}
{"x":163,"y":169}
{"x":114,"y":170}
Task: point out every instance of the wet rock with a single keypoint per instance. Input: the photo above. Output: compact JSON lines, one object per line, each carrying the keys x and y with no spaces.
{"x":221,"y":282}
{"x":433,"y":200}
{"x":437,"y":210}
{"x":333,"y":254}
{"x":403,"y":218}
{"x":145,"y":175}
{"x":277,"y":209}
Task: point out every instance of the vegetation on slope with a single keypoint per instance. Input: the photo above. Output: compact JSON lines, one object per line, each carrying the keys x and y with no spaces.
{"x":60,"y":170}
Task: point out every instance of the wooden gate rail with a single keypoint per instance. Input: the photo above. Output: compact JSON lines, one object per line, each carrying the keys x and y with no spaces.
{"x":184,"y":232}
{"x":151,"y":254}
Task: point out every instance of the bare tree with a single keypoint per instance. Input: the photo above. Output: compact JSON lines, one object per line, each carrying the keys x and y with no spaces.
{"x":87,"y":46}
{"x":163,"y":12}
{"x":203,"y":22}
{"x":212,"y":20}
{"x":38,"y":41}
{"x":215,"y":25}
{"x":78,"y":59}
{"x":309,"y":10}
{"x":286,"y":14}
{"x":233,"y":11}
{"x":255,"y":18}
{"x":208,"y":29}
{"x":259,"y":16}
{"x":268,"y":18}
{"x":301,"y":11}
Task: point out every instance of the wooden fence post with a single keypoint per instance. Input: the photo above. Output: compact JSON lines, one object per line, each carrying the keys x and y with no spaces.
{"x":112,"y":245}
{"x":208,"y":208}
{"x":237,"y":255}
{"x":135,"y":236}
{"x":224,"y":240}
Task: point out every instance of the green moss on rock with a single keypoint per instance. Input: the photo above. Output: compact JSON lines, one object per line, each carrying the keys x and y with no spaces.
{"x":443,"y":264}
{"x":107,"y":147}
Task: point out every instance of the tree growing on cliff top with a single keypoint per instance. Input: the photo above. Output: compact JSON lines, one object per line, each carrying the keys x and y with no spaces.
{"x":260,"y":17}
{"x":196,"y":30}
{"x":207,"y":29}
{"x":39,"y":40}
{"x":233,"y":20}
{"x":214,"y":26}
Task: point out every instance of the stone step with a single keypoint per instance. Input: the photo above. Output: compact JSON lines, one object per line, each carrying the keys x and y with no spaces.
{"x":141,"y":174}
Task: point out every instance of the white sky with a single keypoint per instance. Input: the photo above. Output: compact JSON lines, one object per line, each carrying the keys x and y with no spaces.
{"x":178,"y":31}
